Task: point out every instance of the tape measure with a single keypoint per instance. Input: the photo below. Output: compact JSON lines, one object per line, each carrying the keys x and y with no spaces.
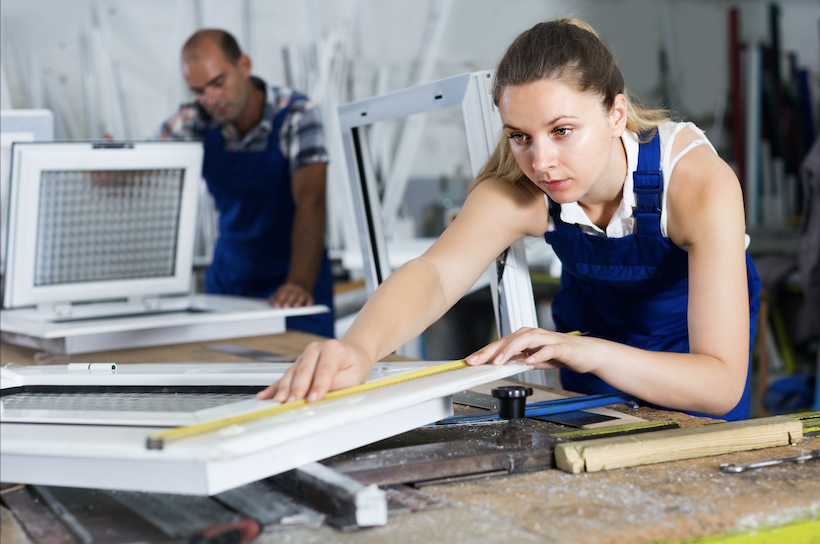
{"x":157,"y":441}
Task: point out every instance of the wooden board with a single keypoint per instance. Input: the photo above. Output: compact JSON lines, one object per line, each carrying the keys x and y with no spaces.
{"x":677,"y":444}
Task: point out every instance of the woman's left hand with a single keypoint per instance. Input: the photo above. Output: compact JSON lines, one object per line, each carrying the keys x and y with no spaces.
{"x":540,"y":348}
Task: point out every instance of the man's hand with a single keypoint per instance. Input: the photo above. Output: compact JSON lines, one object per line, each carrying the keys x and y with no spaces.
{"x":290,"y":295}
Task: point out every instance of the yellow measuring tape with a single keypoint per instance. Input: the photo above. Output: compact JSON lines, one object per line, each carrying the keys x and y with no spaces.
{"x":157,"y":440}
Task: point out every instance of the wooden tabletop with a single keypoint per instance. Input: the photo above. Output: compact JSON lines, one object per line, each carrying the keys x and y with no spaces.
{"x":290,"y":343}
{"x":663,"y":502}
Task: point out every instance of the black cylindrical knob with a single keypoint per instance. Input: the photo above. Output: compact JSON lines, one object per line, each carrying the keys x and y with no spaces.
{"x":512,"y":400}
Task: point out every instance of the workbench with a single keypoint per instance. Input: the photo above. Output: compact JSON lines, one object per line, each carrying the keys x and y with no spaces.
{"x":673,"y":501}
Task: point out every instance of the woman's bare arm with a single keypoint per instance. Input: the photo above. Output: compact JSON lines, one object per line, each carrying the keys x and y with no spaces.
{"x":705,"y":213}
{"x":494,"y":216}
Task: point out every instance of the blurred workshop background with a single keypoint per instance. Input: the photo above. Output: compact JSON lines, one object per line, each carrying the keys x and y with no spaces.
{"x":747,"y":72}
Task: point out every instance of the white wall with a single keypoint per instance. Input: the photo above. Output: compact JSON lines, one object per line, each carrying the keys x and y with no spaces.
{"x":147,"y":35}
{"x":41,"y":52}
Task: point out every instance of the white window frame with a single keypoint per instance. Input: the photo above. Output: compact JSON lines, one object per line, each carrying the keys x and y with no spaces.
{"x":30,"y":159}
{"x":38,"y":450}
{"x":513,"y":301}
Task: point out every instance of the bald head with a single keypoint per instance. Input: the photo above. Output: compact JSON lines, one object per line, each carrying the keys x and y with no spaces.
{"x":208,"y":37}
{"x":218,"y":74}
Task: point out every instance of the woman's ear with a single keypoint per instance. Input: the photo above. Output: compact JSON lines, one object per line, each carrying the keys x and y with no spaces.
{"x":618,"y":115}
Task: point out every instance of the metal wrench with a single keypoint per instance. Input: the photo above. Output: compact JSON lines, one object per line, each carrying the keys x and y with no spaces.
{"x":733,"y":468}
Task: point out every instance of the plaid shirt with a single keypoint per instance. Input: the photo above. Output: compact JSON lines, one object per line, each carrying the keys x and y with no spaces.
{"x":300,"y":139}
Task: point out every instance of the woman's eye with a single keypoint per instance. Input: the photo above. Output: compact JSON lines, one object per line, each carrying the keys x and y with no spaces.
{"x":563,"y":131}
{"x":518,"y":137}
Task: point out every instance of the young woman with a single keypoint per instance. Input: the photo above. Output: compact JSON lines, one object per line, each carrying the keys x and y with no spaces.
{"x":648,"y":223}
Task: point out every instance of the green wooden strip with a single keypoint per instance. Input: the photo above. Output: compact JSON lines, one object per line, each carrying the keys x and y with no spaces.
{"x":603,"y":432}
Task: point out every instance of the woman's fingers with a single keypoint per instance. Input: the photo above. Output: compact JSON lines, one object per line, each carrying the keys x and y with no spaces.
{"x":530,"y":345}
{"x":330,"y":371}
{"x":539,"y":356}
{"x":296,"y":381}
{"x":521,"y":340}
{"x":321,"y":367}
{"x":502,"y":350}
{"x":485,"y":354}
{"x":312,"y":361}
{"x":280,"y":390}
{"x":268,"y":392}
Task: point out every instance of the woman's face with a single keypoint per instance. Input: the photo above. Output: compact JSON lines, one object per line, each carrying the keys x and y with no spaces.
{"x":563,"y":140}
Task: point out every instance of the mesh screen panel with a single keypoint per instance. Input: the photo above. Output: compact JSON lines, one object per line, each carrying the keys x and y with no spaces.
{"x":121,"y":402}
{"x":107,"y":225}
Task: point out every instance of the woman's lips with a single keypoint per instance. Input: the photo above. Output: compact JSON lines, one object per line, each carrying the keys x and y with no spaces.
{"x":555,"y":185}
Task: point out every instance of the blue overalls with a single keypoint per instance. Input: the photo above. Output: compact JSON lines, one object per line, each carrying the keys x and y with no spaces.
{"x":252,"y":255}
{"x":632,"y":290}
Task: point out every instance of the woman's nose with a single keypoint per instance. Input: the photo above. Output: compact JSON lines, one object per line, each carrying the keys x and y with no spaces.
{"x":544,"y":157}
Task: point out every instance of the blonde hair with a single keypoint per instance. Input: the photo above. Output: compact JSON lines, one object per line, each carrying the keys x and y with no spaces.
{"x":570,"y":50}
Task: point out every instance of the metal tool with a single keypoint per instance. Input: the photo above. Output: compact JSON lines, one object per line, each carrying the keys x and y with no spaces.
{"x":513,"y":401}
{"x":548,"y":407}
{"x":734,"y":468}
{"x":350,"y":503}
{"x":576,"y":418}
{"x":476,"y":400}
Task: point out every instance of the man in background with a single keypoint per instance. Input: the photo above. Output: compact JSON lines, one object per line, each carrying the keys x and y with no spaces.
{"x":265,"y":165}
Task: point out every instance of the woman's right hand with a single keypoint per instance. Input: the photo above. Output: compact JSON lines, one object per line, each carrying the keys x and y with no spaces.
{"x":322,"y":367}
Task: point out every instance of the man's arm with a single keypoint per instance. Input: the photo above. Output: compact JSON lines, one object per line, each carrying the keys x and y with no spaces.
{"x":186,"y":124}
{"x":307,"y":237}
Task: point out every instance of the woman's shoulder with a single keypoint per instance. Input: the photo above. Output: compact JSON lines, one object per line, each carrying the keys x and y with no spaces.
{"x":700,"y":180}
{"x":677,"y":137}
{"x":688,"y":152}
{"x":520,"y":193}
{"x":521,"y":203}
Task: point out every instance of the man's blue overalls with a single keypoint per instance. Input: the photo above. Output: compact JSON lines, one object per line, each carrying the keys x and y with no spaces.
{"x":253,"y":196}
{"x":632,"y":290}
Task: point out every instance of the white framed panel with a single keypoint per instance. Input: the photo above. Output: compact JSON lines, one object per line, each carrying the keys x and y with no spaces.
{"x":216,"y":397}
{"x":116,"y":457}
{"x":513,"y":301}
{"x":202,"y":318}
{"x":483,"y":126}
{"x":27,"y":125}
{"x":353,"y":117}
{"x":34,"y":162}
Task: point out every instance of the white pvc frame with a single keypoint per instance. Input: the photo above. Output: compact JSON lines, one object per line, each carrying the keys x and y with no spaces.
{"x":512,"y":296}
{"x":106,"y":456}
{"x":18,"y":126}
{"x":29,"y":160}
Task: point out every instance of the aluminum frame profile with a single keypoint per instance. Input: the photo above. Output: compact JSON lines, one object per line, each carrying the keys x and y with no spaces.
{"x":203,"y":318}
{"x":516,"y":307}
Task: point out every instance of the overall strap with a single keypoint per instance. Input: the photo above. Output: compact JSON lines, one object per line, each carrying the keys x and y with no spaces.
{"x":648,"y":186}
{"x":555,"y":212}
